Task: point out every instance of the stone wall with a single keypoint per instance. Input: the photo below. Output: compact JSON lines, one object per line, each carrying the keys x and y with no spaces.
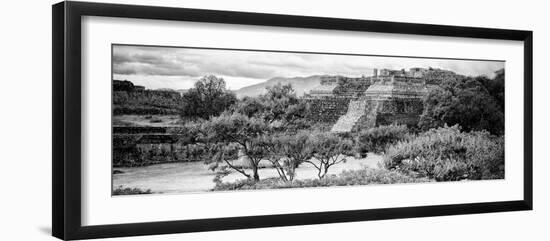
{"x":399,"y":111}
{"x":399,"y":105}
{"x":327,"y":109}
{"x":390,"y":111}
{"x":146,"y":145}
{"x":385,"y":103}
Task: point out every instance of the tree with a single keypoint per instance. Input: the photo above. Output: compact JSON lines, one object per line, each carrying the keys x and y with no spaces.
{"x":280,"y":107}
{"x":288,"y":152}
{"x":208,"y":98}
{"x":230,"y":133}
{"x":329,"y":149}
{"x":250,"y":106}
{"x":462,"y":101}
{"x":495,"y":87}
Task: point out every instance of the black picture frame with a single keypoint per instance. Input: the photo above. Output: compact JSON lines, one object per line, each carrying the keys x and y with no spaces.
{"x":66,"y":127}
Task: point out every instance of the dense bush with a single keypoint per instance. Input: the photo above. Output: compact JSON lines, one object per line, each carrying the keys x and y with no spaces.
{"x":495,"y":87}
{"x":466,"y":102}
{"x":130,"y":191}
{"x":377,"y":139}
{"x":364,"y":176}
{"x":280,"y":107}
{"x":447,"y":154}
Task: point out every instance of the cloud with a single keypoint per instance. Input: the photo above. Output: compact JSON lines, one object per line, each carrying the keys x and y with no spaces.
{"x":161,"y":67}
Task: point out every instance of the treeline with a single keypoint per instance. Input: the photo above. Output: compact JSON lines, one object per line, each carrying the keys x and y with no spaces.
{"x":474,"y":103}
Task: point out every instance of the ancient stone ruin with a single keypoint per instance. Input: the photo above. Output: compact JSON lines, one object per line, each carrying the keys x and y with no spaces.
{"x":387,"y":97}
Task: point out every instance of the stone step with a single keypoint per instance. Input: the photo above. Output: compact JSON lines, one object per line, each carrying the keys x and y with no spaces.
{"x":345,"y":123}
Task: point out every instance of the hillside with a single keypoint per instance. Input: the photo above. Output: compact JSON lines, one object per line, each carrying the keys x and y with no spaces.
{"x":300,"y":84}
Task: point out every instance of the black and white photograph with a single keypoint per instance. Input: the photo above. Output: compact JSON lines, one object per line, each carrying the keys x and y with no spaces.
{"x":216,"y":120}
{"x":191,"y":119}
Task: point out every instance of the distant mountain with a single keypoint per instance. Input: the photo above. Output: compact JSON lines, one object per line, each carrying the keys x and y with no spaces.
{"x":300,"y":84}
{"x":165,"y":89}
{"x":182,"y":91}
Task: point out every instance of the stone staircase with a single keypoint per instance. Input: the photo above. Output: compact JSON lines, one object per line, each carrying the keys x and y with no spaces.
{"x":368,"y":120}
{"x":345,"y":123}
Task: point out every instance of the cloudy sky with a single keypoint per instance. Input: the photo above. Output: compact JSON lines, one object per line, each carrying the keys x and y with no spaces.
{"x":179,"y":68}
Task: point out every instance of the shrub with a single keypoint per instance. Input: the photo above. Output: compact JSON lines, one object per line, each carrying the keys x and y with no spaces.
{"x":447,"y":154}
{"x":287,"y":152}
{"x":377,"y":139}
{"x":365,"y":176}
{"x":328,"y":149}
{"x":130,"y":191}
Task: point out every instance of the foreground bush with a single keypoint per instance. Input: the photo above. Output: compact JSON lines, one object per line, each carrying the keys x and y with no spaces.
{"x":364,"y":176}
{"x":447,"y":154}
{"x":130,"y":191}
{"x":379,"y":138}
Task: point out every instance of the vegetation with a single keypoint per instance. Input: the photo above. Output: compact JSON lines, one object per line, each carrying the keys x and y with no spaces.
{"x":495,"y":87}
{"x":379,"y":138}
{"x":253,"y":127}
{"x":130,"y":191}
{"x":243,"y":135}
{"x":279,"y":107}
{"x":329,"y":149}
{"x":287,"y":152}
{"x":209,"y":98}
{"x":466,"y":102}
{"x":437,"y":76}
{"x":146,"y":102}
{"x":448,"y":154}
{"x":365,"y":176}
{"x":232,"y":132}
{"x":229,"y":134}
